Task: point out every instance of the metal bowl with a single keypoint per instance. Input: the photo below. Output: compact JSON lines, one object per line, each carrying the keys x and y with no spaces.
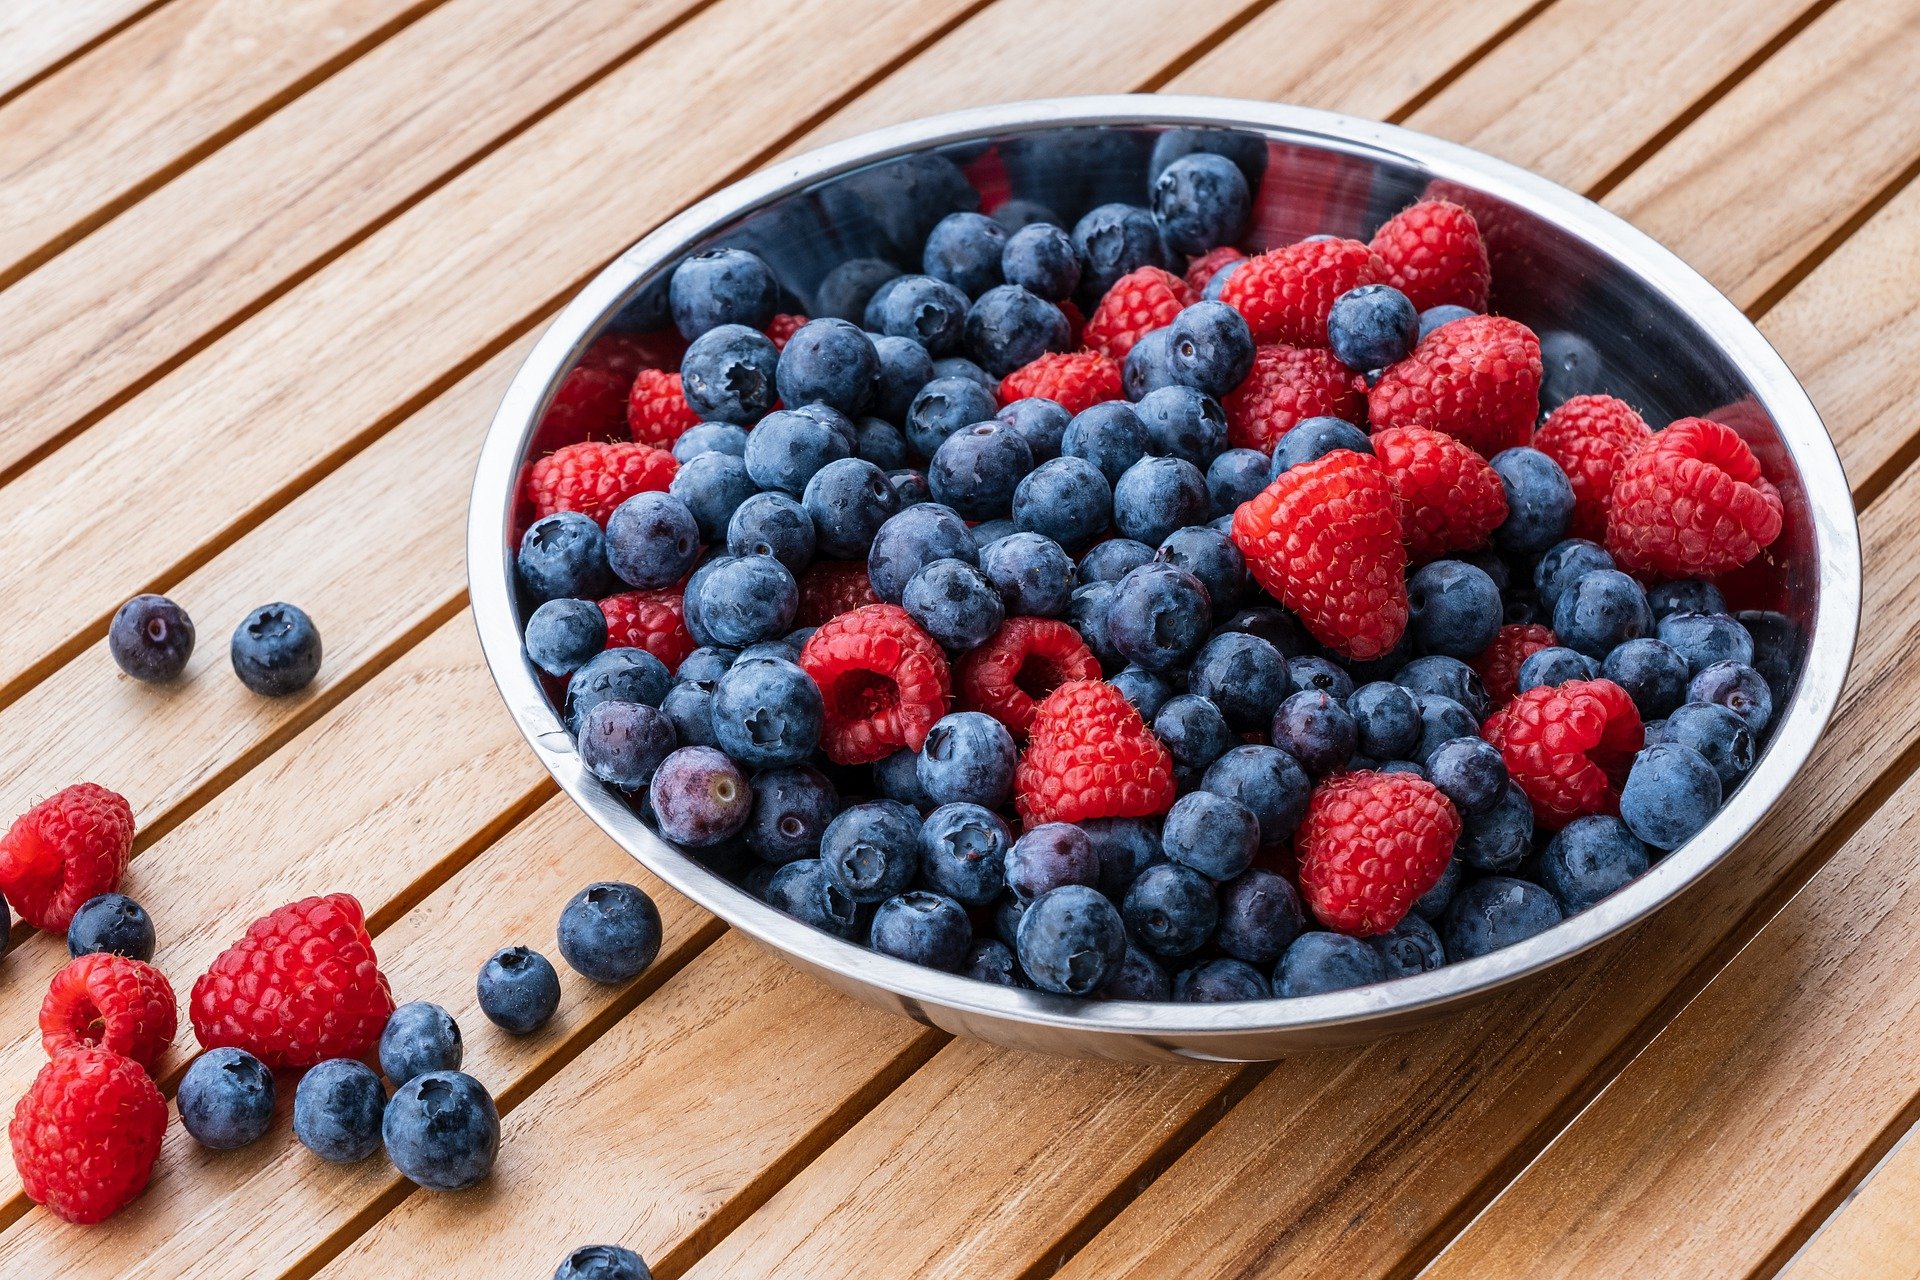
{"x":1664,"y":339}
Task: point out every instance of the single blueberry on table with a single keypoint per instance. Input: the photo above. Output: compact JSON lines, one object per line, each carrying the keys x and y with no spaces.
{"x":992,"y":961}
{"x":1268,"y":783}
{"x":1158,"y":617}
{"x":790,"y":813}
{"x":1048,"y":856}
{"x":806,"y":892}
{"x":1600,"y":611}
{"x":954,"y":603}
{"x":1146,"y":690}
{"x":1410,"y":947}
{"x":1033,"y":574}
{"x":1113,"y":559}
{"x":1671,"y":792}
{"x":1234,"y":477}
{"x":964,"y":249}
{"x":827,"y":361}
{"x":1738,"y":688}
{"x":931,"y":312}
{"x":1318,"y":675}
{"x":1554,"y":666}
{"x":963,"y":853}
{"x":727,"y":374}
{"x":1149,"y":365}
{"x":442,"y":1131}
{"x":849,"y":500}
{"x":710,"y":437}
{"x":1138,"y":977}
{"x":722,"y":287}
{"x":1316,"y":437}
{"x":700,"y":797}
{"x":226,"y":1099}
{"x":110,"y":922}
{"x":1539,"y":501}
{"x":1590,"y":858}
{"x":1454,"y":608}
{"x":518,"y":990}
{"x":976,"y":469}
{"x":1201,"y":201}
{"x":922,"y":928}
{"x":1209,"y":349}
{"x":564,"y":555}
{"x":1242,"y":674}
{"x":904,"y":368}
{"x":1040,"y":258}
{"x":1214,"y":834}
{"x":1318,"y":962}
{"x":419,"y":1037}
{"x":743,"y":600}
{"x":1717,"y":733}
{"x":1685,"y":595}
{"x":1564,"y":564}
{"x":151,"y":638}
{"x":788,"y":448}
{"x":910,"y":541}
{"x":1653,"y":675}
{"x":1386,"y":719}
{"x":563,"y":634}
{"x":1065,"y":499}
{"x":1110,"y":435}
{"x":602,"y":1262}
{"x":1071,"y":940}
{"x":1493,"y":913}
{"x":1499,"y":837}
{"x":609,"y":931}
{"x":767,"y":712}
{"x":1125,"y":847}
{"x":1170,"y":909}
{"x":1221,"y":981}
{"x":337,"y":1109}
{"x":968,"y":758}
{"x":1372,"y":327}
{"x":1446,"y":313}
{"x":1009,"y":327}
{"x":772,"y":524}
{"x":1470,"y":772}
{"x":1183,"y":423}
{"x":276,"y":650}
{"x":1194,"y":731}
{"x":1042,"y":423}
{"x":872,"y":851}
{"x":1441,"y":720}
{"x":1706,"y":638}
{"x":713,"y":486}
{"x":1315,"y":729}
{"x":652,"y":540}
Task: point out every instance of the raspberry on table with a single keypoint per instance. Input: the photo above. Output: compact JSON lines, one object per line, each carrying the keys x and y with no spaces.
{"x":657,"y":412}
{"x":1499,"y":663}
{"x":1019,"y":665}
{"x":652,"y":620}
{"x":86,"y":1133}
{"x":1590,"y":436}
{"x":1090,"y":755}
{"x":110,"y":1002}
{"x":1476,"y":379}
{"x":1450,"y":497}
{"x":1287,"y":386}
{"x":884,"y":680}
{"x":1139,"y":302}
{"x":70,"y":847}
{"x":1207,"y":265}
{"x":1076,"y":379}
{"x":300,"y":986}
{"x":1286,"y":293}
{"x":1569,"y":747}
{"x":1691,"y":503}
{"x":1435,"y":255}
{"x":594,"y":477}
{"x":1370,"y":845}
{"x":830,"y":588}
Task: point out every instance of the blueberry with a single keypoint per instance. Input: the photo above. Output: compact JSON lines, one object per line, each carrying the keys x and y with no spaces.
{"x":1589,"y":859}
{"x":1554,"y":666}
{"x":1569,"y":366}
{"x":623,"y":743}
{"x":151,"y":638}
{"x":967,"y":370}
{"x":1493,"y":913}
{"x":337,"y":1109}
{"x":991,"y":961}
{"x":805,"y":891}
{"x":699,"y":797}
{"x":1441,"y":720}
{"x":1539,"y":501}
{"x":988,"y":532}
{"x":1194,"y":731}
{"x":1149,"y":365}
{"x":743,"y":600}
{"x":563,"y":634}
{"x":910,"y":487}
{"x":1209,"y":349}
{"x":1243,"y":675}
{"x":1111,"y":436}
{"x":968,"y":758}
{"x":1686,"y":595}
{"x":1247,"y":150}
{"x":1776,"y":649}
{"x":276,"y":650}
{"x":727,"y":374}
{"x":1065,"y":499}
{"x":713,"y":486}
{"x":1717,"y":733}
{"x":1138,"y":977}
{"x":1671,"y":792}
{"x":1125,"y":847}
{"x":1144,"y":689}
{"x":912,"y":540}
{"x":609,"y":931}
{"x":1432,"y":904}
{"x":1260,"y":916}
{"x":791,"y":810}
{"x":518,"y":990}
{"x":1315,"y":729}
{"x":1201,"y":201}
{"x":1071,"y":940}
{"x":903,"y":367}
{"x":1318,"y":962}
{"x":1386,"y":719}
{"x":563,"y":555}
{"x":963,"y":853}
{"x":1372,"y":327}
{"x":1217,"y":284}
{"x":931,"y":312}
{"x":871,"y":851}
{"x":442,"y":1131}
{"x":788,"y":448}
{"x":767,"y":712}
{"x":1500,"y":836}
{"x":1706,"y":638}
{"x":1410,"y":947}
{"x":1317,"y":675}
{"x":1112,"y":240}
{"x":1274,"y":625}
{"x":964,"y":249}
{"x":226,"y":1099}
{"x":419,"y":1037}
{"x":603,"y":1261}
{"x":710,"y":437}
{"x":1040,"y":257}
{"x":1454,"y":608}
{"x":1470,"y":772}
{"x":1183,"y":423}
{"x":1087,"y":614}
{"x":1222,"y":981}
{"x":1737,"y":687}
{"x":1214,"y":834}
{"x":843,"y":293}
{"x":1042,"y":423}
{"x":615,"y":675}
{"x":828,"y":361}
{"x":1033,"y":574}
{"x":1017,"y":214}
{"x":1564,"y":564}
{"x":1316,"y":437}
{"x":1009,"y":327}
{"x":109,"y":922}
{"x":689,"y":706}
{"x":922,"y":928}
{"x":1266,"y":781}
{"x":1653,"y":675}
{"x":849,"y":500}
{"x":1446,"y":313}
{"x":954,"y":603}
{"x":1113,"y":559}
{"x":1158,"y":617}
{"x":772,"y":524}
{"x":1234,"y":477}
{"x":722,"y":287}
{"x":1600,"y":611}
{"x":976,"y":469}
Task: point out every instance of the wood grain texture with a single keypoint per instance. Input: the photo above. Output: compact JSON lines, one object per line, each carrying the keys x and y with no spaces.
{"x":37,"y":34}
{"x":273,"y":1203}
{"x":1876,"y":1234}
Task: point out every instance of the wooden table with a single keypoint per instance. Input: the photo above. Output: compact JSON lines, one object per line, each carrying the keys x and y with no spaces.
{"x":265,"y":268}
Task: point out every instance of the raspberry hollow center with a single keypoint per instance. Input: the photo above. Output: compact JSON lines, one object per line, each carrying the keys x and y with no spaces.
{"x":864,"y":695}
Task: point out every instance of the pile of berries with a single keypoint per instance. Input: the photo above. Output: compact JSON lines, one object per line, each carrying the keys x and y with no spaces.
{"x":1108,"y":609}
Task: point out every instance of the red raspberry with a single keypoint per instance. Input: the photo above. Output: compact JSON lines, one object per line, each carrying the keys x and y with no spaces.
{"x":1324,"y":538}
{"x":86,"y":1133}
{"x":1499,"y":663}
{"x":109,"y":1002}
{"x":70,"y":847}
{"x":301,"y":986}
{"x":1450,"y":497}
{"x":1138,"y":303}
{"x":1568,"y":747}
{"x":591,"y":401}
{"x":1207,"y":265}
{"x":1590,"y":436}
{"x":652,"y":620}
{"x":782,"y":327}
{"x":1286,"y":385}
{"x":594,"y":478}
{"x":830,"y":588}
{"x":1692,"y":502}
{"x":1370,"y":845}
{"x":1077,"y":379}
{"x":1434,"y":255}
{"x":1285,"y":293}
{"x":657,"y":411}
{"x":884,"y":680}
{"x":1477,"y":379}
{"x":1021,"y":663}
{"x":1089,"y":755}
{"x":1076,"y":323}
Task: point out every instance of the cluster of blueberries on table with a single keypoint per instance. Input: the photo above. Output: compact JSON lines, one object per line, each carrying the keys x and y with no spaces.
{"x":922,"y":539}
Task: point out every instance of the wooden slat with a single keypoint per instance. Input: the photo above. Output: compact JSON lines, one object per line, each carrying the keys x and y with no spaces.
{"x":122,"y":116}
{"x":1876,"y":1234}
{"x":37,"y":34}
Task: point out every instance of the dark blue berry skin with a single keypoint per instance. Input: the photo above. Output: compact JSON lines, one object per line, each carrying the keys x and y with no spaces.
{"x":1183,"y":423}
{"x":964,"y":250}
{"x":768,"y":713}
{"x":1243,"y":675}
{"x":562,"y":556}
{"x":1318,"y":962}
{"x":1125,"y":848}
{"x":828,"y":361}
{"x":652,"y":540}
{"x":1600,"y":611}
{"x":1410,"y":947}
{"x":1113,"y":239}
{"x":1194,"y":731}
{"x":151,"y":639}
{"x":922,"y":928}
{"x":1040,"y":258}
{"x":1114,"y":559}
{"x":1441,"y":720}
{"x":903,"y":368}
{"x":727,"y":374}
{"x":791,"y":810}
{"x":992,"y":961}
{"x":1498,"y":837}
{"x":1317,"y":675}
{"x":623,"y":743}
{"x":1316,"y":730}
{"x":806,"y":892}
{"x":1738,"y":688}
{"x":1087,"y":614}
{"x":1493,"y":913}
{"x":609,"y":931}
{"x":1110,"y":435}
{"x":226,"y":1099}
{"x":1144,"y":689}
{"x":1149,"y":365}
{"x":1688,"y":595}
{"x":1564,"y":564}
{"x":1201,"y":201}
{"x":1009,"y":327}
{"x":1393,"y":766}
{"x":976,"y":469}
{"x":1553,"y":666}
{"x":1539,"y":501}
{"x":1155,"y":496}
{"x":786,"y":450}
{"x":1432,"y":904}
{"x":1706,"y":638}
{"x":1032,"y":573}
{"x":1221,"y":981}
{"x":722,"y":287}
{"x":1260,"y":916}
{"x":772,"y":524}
{"x":872,"y":851}
{"x":744,"y":600}
{"x":563,"y":634}
{"x":1071,"y":941}
{"x":615,"y":675}
{"x":1717,"y":733}
{"x":689,"y":706}
{"x":910,"y":487}
{"x":442,"y":1131}
{"x":1470,"y":772}
{"x":954,"y":603}
{"x":1246,"y":150}
{"x":1218,"y":283}
{"x":1158,"y":617}
{"x":1446,"y":313}
{"x":849,"y":500}
{"x":828,"y":416}
{"x":700,"y":797}
{"x":1372,"y":327}
{"x":1048,"y":856}
{"x":1569,"y":366}
{"x":1386,"y":719}
{"x":872,"y":314}
{"x":965,"y":369}
{"x":1267,"y":782}
{"x":845,"y":291}
{"x":1274,"y":625}
{"x":1234,"y":477}
{"x":112,"y":923}
{"x":713,"y":486}
{"x":1210,"y":350}
{"x":988,"y":532}
{"x":276,"y":650}
{"x":518,"y":990}
{"x":1065,"y":499}
{"x":710,"y":437}
{"x":1671,"y":792}
{"x":968,"y":758}
{"x":602,"y":1262}
{"x":963,"y":853}
{"x":1455,"y":608}
{"x":1590,"y":858}
{"x":337,"y":1109}
{"x":912,"y":540}
{"x":1315,"y":438}
{"x":931,"y":312}
{"x":419,"y":1037}
{"x":897,"y":777}
{"x":1042,"y":423}
{"x":1214,"y":834}
{"x":1653,"y":675}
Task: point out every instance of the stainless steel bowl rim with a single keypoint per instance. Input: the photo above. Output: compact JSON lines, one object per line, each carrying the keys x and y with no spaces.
{"x":1835,"y":537}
